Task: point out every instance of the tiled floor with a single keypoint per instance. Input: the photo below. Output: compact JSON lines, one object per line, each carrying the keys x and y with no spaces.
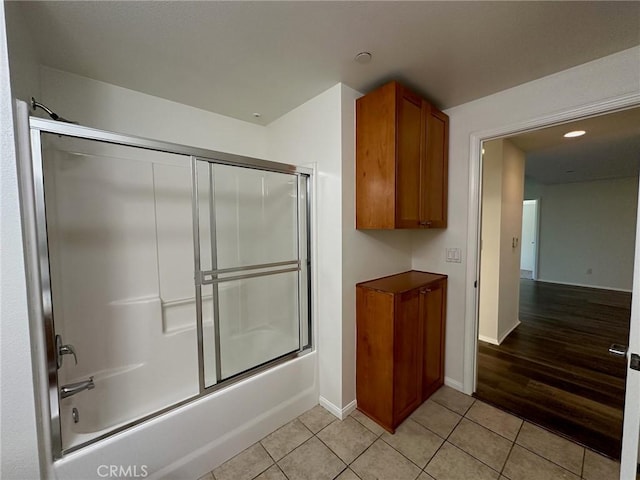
{"x":449,"y":437}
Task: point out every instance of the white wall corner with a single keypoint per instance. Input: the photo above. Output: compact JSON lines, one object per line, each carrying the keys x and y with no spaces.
{"x":508,"y":332}
{"x":341,"y":413}
{"x":456,"y":385}
{"x":492,"y":341}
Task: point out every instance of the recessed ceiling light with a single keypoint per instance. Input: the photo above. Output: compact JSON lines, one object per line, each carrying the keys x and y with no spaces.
{"x":363,"y":57}
{"x":574,"y":133}
{"x":257,"y":115}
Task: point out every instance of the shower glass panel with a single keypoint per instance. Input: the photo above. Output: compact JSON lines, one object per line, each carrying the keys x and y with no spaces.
{"x":253,"y":260}
{"x":165,"y":272}
{"x":119,"y":229}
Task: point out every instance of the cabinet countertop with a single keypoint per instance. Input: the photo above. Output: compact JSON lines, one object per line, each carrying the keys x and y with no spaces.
{"x":402,"y":282}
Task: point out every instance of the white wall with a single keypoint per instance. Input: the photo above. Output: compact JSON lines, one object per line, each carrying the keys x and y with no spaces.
{"x":322,"y":132}
{"x":502,"y":192}
{"x":18,"y":436}
{"x":311,"y":135}
{"x":587,"y":233}
{"x":608,"y":82}
{"x":24,"y":61}
{"x":488,"y":311}
{"x":108,"y":107}
{"x":366,"y":254}
{"x":511,"y":227}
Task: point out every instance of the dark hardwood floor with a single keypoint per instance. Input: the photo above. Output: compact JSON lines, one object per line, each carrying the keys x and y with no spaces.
{"x":554,"y":369}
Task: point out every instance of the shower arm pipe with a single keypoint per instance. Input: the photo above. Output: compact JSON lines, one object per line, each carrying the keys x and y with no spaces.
{"x":54,"y":116}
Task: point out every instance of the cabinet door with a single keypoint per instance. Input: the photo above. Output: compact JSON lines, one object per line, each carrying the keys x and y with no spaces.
{"x":374,"y":354}
{"x":407,"y":355}
{"x":408,"y":157}
{"x":433,"y":195}
{"x":432,"y":313}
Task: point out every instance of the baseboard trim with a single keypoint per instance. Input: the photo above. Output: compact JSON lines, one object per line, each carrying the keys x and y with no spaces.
{"x":341,"y":413}
{"x":498,"y":341}
{"x":570,"y":284}
{"x":492,"y":341}
{"x":506,"y":334}
{"x":450,"y":382}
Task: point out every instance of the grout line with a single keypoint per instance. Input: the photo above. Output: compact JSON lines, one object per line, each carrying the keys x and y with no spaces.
{"x":329,"y":424}
{"x":378,"y":435}
{"x":513,"y":442}
{"x":394,"y":448}
{"x":492,"y":431}
{"x":282,"y":471}
{"x":545,"y":458}
{"x":450,"y":409}
{"x":472,"y":456}
{"x":333,"y":451}
{"x":584,"y":455}
{"x":363,"y":452}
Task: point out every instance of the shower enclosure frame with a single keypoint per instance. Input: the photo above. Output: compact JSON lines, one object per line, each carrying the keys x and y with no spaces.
{"x":32,"y":176}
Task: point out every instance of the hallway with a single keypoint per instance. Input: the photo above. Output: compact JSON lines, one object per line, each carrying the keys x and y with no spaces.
{"x":554,"y":369}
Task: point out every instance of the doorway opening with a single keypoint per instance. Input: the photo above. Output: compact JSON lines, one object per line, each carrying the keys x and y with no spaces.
{"x":529,"y":240}
{"x":556,"y":269}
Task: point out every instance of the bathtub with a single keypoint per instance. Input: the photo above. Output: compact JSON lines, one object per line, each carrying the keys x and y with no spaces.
{"x":126,"y":394}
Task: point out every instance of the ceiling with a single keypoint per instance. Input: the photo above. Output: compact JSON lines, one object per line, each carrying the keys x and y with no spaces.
{"x":237,"y":58}
{"x":609,"y":149}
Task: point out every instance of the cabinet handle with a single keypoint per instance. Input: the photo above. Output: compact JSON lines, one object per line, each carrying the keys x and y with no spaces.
{"x":425,"y":224}
{"x":425,"y":290}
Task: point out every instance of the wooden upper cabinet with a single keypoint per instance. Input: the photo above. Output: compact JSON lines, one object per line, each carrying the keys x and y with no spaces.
{"x":401,"y":161}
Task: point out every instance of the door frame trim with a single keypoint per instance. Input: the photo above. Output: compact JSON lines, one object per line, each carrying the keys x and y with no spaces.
{"x":611,"y":105}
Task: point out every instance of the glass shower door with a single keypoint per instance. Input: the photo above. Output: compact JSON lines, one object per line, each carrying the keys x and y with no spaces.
{"x":253,"y":260}
{"x":119,"y":238}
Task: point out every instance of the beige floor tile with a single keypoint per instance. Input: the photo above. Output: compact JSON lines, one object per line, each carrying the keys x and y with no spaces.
{"x":317,"y":418}
{"x":367,"y":422}
{"x":597,"y":467}
{"x":208,"y":476}
{"x":451,"y":463}
{"x":381,"y":462}
{"x":285,"y":439}
{"x":272,"y":473}
{"x":481,"y":443}
{"x":453,"y":399}
{"x":347,"y":438}
{"x":425,"y":476}
{"x":347,"y":475}
{"x":525,"y":465}
{"x":244,"y":466}
{"x":414,"y":441}
{"x":552,"y":447}
{"x":495,"y":419}
{"x":311,"y":461}
{"x":436,"y":418}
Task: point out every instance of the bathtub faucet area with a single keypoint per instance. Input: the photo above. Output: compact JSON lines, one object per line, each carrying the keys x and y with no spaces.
{"x":73,"y":388}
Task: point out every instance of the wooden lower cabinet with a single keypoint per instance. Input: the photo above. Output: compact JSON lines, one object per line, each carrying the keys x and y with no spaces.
{"x":400,"y":344}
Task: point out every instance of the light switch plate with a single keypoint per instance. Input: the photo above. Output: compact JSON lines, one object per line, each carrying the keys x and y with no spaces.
{"x":454,"y":255}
